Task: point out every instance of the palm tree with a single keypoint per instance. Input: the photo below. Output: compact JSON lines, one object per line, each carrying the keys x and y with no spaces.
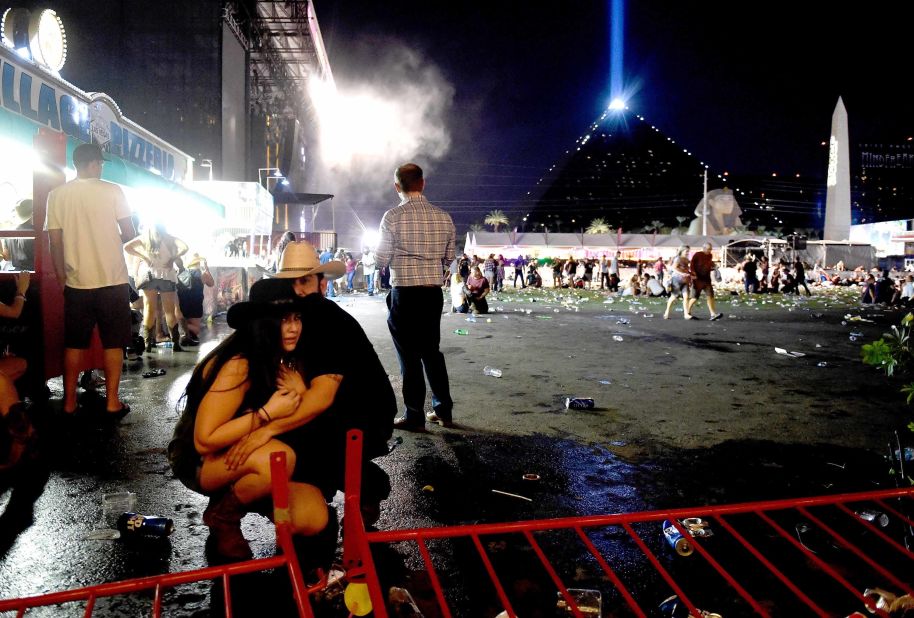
{"x":496,"y":218}
{"x":760,"y":230}
{"x":476,"y":227}
{"x":598,"y":226}
{"x":680,"y":220}
{"x":656,"y":225}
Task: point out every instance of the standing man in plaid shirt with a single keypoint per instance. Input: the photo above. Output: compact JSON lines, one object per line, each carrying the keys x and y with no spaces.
{"x":417,"y":242}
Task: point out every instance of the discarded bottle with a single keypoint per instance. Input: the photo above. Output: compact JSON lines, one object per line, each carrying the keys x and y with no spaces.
{"x":678,"y":542}
{"x":462,"y":331}
{"x":492,"y":371}
{"x":579,"y":403}
{"x":875,"y":517}
{"x":135,"y":525}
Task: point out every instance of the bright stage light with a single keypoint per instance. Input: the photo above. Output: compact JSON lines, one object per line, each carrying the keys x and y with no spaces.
{"x":370,"y":238}
{"x":617,"y":104}
{"x":354,"y":124}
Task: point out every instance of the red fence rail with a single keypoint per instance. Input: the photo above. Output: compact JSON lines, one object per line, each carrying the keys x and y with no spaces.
{"x":731,"y":521}
{"x":161,"y":583}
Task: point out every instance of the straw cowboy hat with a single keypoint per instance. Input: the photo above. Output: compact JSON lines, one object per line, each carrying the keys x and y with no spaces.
{"x":264,"y":301}
{"x":300,"y":259}
{"x":23,"y":211}
{"x":195,"y":260}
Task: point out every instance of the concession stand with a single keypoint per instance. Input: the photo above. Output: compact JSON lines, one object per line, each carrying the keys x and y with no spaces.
{"x":42,"y":119}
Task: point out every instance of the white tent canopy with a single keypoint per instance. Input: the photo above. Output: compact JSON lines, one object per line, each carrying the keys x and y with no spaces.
{"x":541,"y":245}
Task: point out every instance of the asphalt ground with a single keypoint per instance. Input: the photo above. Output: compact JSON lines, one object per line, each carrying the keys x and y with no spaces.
{"x":687,"y":413}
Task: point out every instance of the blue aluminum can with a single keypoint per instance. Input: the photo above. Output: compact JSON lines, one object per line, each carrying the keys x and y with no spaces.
{"x":134,"y":525}
{"x":678,"y":542}
{"x":579,"y":403}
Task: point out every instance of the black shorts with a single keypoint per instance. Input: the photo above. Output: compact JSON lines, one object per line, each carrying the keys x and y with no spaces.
{"x":107,"y":307}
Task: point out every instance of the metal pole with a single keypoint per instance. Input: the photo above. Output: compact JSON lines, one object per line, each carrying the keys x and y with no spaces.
{"x":704,"y":214}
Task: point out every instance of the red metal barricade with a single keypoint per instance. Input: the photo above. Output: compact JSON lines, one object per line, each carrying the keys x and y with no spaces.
{"x":160,"y":583}
{"x":832,"y":517}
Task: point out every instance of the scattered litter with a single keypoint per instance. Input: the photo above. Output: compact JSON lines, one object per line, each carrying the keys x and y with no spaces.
{"x":544,"y":317}
{"x":588,"y":602}
{"x":874,"y":517}
{"x":489,"y":320}
{"x":428,"y":489}
{"x":857,"y":318}
{"x":153,"y":373}
{"x":617,"y":338}
{"x":908,"y":453}
{"x":471,"y":318}
{"x":822,"y":364}
{"x":648,"y":315}
{"x":605,"y":382}
{"x":402,"y":603}
{"x":492,"y":371}
{"x":461,"y":331}
{"x":887,"y":602}
{"x":579,"y":403}
{"x":842,"y":466}
{"x":786,"y":353}
{"x":531,"y":477}
{"x":505,"y":493}
{"x":675,"y":539}
{"x":103,"y":534}
{"x":623,"y":321}
{"x":818,"y":345}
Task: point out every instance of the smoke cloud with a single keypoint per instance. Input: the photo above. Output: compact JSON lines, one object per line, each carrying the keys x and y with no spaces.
{"x":392,"y":107}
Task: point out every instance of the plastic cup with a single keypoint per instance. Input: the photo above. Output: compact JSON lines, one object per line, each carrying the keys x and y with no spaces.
{"x":116,"y":504}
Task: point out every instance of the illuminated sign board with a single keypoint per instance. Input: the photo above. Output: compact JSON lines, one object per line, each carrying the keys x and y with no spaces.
{"x":49,"y":101}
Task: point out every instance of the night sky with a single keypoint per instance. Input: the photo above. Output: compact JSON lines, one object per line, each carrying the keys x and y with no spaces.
{"x":748,"y":90}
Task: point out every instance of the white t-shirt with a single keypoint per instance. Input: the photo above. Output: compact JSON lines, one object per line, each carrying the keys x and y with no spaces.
{"x":87,"y":210}
{"x":655,"y":287}
{"x":368,"y":263}
{"x":907,"y":291}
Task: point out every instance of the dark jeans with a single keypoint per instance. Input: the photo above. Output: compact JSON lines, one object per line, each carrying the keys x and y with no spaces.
{"x":519,"y":274}
{"x":414,"y":321}
{"x":604,"y":280}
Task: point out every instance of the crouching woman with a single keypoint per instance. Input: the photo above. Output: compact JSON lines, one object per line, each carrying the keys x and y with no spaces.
{"x":243,"y":384}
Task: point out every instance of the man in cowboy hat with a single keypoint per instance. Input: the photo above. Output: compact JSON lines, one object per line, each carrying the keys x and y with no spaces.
{"x":347,"y":386}
{"x":417,"y":242}
{"x":21,"y":251}
{"x":88,"y":224}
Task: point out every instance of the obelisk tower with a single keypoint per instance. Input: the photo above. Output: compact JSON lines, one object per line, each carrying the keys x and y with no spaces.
{"x":838,"y":185}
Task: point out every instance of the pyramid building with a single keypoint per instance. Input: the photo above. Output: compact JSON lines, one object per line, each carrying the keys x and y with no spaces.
{"x":625,"y":171}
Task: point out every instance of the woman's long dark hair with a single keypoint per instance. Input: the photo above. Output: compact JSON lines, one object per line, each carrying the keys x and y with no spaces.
{"x":260,"y":343}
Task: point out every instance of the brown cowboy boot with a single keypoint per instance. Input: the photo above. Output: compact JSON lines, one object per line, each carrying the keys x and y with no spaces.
{"x":223,"y":516}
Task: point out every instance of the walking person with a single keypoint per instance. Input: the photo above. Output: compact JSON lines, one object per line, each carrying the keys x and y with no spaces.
{"x":799,"y":270}
{"x":160,"y":251}
{"x":519,"y":265}
{"x":614,"y":272}
{"x":659,"y":269}
{"x":417,"y":242}
{"x":750,"y":274}
{"x":680,"y":281}
{"x":702,"y":267}
{"x":88,"y":224}
{"x":604,"y":272}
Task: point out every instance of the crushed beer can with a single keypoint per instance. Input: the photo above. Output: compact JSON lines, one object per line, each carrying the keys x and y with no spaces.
{"x":681,"y":544}
{"x":579,"y":403}
{"x":133,"y":525}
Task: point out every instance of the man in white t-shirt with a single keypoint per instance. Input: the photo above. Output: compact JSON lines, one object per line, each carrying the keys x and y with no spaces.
{"x":88,"y":224}
{"x":368,"y":270}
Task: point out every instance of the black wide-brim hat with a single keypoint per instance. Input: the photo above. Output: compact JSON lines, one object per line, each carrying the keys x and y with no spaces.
{"x":267,"y":298}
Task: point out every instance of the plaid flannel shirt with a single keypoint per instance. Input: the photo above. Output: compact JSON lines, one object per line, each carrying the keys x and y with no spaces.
{"x":417,"y":241}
